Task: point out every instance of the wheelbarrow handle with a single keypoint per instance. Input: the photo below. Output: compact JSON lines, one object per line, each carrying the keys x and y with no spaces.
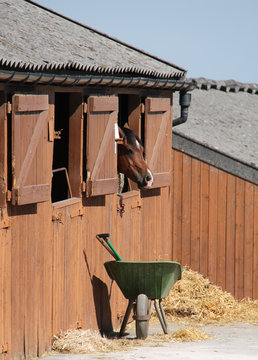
{"x":103,"y":239}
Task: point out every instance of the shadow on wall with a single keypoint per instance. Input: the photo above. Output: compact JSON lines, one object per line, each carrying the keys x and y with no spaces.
{"x":101,"y":302}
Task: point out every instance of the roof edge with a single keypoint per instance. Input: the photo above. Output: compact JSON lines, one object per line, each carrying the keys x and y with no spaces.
{"x":215,"y":158}
{"x":225,"y":85}
{"x":102,"y":80}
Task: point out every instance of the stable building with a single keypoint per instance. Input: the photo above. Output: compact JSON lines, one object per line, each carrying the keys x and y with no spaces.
{"x":63,"y":89}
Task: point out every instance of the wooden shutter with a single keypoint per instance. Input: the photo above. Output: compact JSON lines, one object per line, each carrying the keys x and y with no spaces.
{"x":29,"y":149}
{"x":158,"y":134}
{"x":3,"y":150}
{"x":101,"y":158}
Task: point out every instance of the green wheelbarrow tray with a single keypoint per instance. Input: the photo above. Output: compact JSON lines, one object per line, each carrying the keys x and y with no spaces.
{"x":152,"y":278}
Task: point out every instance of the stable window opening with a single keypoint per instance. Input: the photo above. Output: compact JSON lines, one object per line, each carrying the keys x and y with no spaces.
{"x":130,"y":115}
{"x":67,"y":152}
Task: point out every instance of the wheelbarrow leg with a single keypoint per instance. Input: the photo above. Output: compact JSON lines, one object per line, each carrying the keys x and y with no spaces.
{"x":126,"y":317}
{"x":161,"y":316}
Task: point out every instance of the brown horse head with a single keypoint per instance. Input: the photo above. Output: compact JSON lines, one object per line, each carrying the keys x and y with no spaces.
{"x":130,"y":159}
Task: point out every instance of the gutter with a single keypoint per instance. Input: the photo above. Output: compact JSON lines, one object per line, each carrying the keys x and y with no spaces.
{"x":69,"y":79}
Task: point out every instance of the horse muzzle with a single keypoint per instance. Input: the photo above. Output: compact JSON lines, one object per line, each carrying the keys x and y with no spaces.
{"x":146,"y":181}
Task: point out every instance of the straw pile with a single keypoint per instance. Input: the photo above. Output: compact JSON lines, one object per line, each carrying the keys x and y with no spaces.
{"x":195,"y":298}
{"x":89,"y":342}
{"x":182,"y":335}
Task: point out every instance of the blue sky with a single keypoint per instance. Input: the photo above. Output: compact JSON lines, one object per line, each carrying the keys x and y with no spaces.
{"x":217,"y":39}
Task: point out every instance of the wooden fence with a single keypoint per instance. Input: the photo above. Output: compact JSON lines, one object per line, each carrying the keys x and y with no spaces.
{"x":215,"y":225}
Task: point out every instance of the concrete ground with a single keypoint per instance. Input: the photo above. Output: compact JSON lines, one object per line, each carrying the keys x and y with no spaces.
{"x":229,"y":342}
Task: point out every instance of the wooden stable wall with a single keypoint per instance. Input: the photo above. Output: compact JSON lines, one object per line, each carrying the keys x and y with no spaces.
{"x":52,"y":274}
{"x":215,"y":225}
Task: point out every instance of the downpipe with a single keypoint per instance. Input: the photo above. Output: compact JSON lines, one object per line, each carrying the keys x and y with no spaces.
{"x":184,"y":101}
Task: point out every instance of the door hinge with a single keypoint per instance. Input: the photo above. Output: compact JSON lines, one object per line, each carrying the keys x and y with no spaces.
{"x":4,"y":348}
{"x":9,"y":107}
{"x":57,"y":217}
{"x":137,"y":204}
{"x":57,"y":134}
{"x":4,"y":220}
{"x":4,"y":224}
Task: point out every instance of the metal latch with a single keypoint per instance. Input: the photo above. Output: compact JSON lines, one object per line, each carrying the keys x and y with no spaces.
{"x":77,"y":212}
{"x":120,"y":206}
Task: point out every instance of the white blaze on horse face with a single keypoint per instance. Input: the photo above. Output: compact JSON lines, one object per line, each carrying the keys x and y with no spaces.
{"x":150,"y":182}
{"x":116,"y":135}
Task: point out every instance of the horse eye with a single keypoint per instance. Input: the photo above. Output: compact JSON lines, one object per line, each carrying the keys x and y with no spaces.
{"x":130,"y":151}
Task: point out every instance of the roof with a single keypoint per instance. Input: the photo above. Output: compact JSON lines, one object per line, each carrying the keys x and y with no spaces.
{"x":34,"y":38}
{"x":222,"y":126}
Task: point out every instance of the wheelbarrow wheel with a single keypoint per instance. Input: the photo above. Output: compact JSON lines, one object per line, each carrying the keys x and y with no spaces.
{"x":142,"y":309}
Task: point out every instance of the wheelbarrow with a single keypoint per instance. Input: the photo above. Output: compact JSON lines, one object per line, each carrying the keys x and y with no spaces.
{"x":141,"y":281}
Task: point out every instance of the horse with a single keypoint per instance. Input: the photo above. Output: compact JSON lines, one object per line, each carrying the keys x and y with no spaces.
{"x":131,"y":159}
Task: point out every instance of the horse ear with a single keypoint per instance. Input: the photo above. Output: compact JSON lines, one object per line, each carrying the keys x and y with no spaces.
{"x":126,"y":126}
{"x":122,"y":135}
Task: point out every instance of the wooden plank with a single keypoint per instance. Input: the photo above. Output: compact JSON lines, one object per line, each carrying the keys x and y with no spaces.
{"x":204,"y":218}
{"x":75,"y":143}
{"x":3,"y":150}
{"x":158,"y":104}
{"x":31,"y":286}
{"x":239,"y":239}
{"x":102,"y":187}
{"x":18,"y":260}
{"x":164,"y":245}
{"x":195,"y":215}
{"x":177,"y":207}
{"x":30,"y":194}
{"x":161,"y":179}
{"x":221,"y":241}
{"x":255,"y":250}
{"x":186,"y":209}
{"x":102,"y":103}
{"x":29,"y":103}
{"x":213,"y":223}
{"x":5,"y":292}
{"x":248,"y":239}
{"x":230,"y":233}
